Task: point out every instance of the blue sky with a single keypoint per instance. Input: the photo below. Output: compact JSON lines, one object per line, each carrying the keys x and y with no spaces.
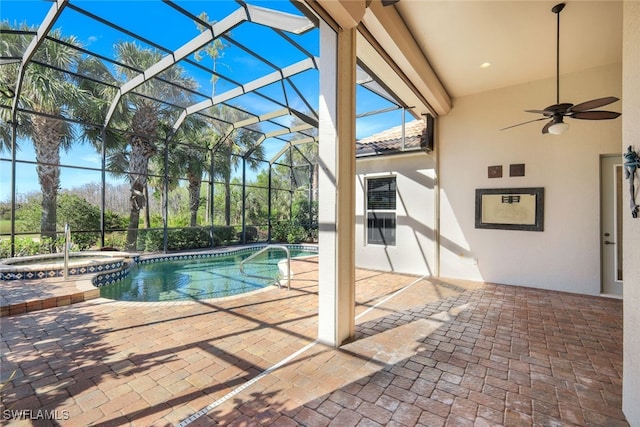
{"x":158,"y":22}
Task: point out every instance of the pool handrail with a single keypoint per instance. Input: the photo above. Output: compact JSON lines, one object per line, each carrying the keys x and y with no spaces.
{"x":264,"y":249}
{"x":67,"y":244}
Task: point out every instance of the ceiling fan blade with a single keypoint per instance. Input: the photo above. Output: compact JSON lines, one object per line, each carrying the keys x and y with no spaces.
{"x":546,"y":127}
{"x":546,"y":113}
{"x":389,"y":2}
{"x":524,"y":123}
{"x":594,"y":103}
{"x":595,"y":115}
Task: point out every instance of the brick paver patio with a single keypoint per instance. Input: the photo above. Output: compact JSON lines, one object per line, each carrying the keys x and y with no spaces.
{"x":432,"y":352}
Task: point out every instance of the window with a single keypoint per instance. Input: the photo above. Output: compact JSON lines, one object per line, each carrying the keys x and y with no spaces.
{"x":381,"y":211}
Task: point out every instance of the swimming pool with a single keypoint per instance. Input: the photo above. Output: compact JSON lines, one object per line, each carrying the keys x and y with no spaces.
{"x":198,"y":277}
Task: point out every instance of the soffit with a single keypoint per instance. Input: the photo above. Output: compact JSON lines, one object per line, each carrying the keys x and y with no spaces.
{"x":518,"y":38}
{"x":435,"y":48}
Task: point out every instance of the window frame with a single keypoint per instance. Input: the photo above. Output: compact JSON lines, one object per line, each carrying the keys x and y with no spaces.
{"x":383,"y":239}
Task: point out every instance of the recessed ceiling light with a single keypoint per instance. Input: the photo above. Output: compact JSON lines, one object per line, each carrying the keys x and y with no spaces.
{"x":485,"y":65}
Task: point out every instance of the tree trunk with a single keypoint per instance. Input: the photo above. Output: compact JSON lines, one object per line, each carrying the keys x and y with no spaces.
{"x":207,"y":213}
{"x":194,"y":198}
{"x":141,"y":151}
{"x":164,"y":203}
{"x":147,"y":214}
{"x":227,"y":200}
{"x":132,"y":231}
{"x":48,"y":134}
{"x":314,"y":182}
{"x":142,"y":148}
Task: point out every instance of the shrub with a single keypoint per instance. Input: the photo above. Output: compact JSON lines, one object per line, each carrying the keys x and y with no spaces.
{"x":188,"y":238}
{"x":250,"y":233}
{"x":223,"y":234}
{"x":114,"y":221}
{"x":29,"y":215}
{"x":82,"y":217}
{"x":303,"y":216}
{"x":287,"y":231}
{"x":116,"y":240}
{"x":25,"y":246}
{"x":177,"y":239}
{"x":306,"y":218}
{"x":150,"y":240}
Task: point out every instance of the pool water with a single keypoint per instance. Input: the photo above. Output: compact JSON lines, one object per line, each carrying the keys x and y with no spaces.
{"x":198,"y":279}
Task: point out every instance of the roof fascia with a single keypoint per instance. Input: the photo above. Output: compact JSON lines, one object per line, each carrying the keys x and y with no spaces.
{"x":346,"y":13}
{"x":390,"y":34}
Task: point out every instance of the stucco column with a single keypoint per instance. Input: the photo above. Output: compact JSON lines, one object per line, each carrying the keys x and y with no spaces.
{"x":336,"y":215}
{"x":631,"y":230}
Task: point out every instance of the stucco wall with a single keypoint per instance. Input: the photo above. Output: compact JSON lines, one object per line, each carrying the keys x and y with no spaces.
{"x":414,"y":249}
{"x":631,"y":258}
{"x":566,"y":256}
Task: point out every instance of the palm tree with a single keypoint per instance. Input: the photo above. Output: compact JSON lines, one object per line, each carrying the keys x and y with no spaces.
{"x":231,"y":150}
{"x":194,"y":156}
{"x":241,"y":140}
{"x":51,"y":94}
{"x":145,"y":118}
{"x":189,"y":155}
{"x":222,"y":165}
{"x":307,"y":152}
{"x":214,"y":50}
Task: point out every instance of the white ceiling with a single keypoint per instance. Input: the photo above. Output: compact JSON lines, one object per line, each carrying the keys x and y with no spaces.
{"x":517,"y":37}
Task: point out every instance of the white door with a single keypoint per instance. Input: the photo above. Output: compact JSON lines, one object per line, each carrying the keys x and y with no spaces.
{"x":611,"y":211}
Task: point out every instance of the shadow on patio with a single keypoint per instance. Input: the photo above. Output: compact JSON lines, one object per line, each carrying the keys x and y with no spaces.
{"x":427,"y":352}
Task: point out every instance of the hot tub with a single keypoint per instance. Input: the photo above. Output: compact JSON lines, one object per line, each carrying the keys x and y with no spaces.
{"x":52,"y":265}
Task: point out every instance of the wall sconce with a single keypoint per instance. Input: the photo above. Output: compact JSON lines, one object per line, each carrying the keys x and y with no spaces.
{"x":631,"y":165}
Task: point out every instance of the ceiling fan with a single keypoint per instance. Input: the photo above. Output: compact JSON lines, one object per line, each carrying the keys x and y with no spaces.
{"x":557,"y":112}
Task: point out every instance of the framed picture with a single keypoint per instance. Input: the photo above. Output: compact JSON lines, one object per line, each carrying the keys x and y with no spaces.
{"x":510,"y":208}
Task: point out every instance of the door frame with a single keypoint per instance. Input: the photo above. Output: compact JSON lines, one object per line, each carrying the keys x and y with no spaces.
{"x":612,"y":288}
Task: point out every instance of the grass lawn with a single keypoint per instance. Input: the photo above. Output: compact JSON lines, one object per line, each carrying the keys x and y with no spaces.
{"x":5,"y":226}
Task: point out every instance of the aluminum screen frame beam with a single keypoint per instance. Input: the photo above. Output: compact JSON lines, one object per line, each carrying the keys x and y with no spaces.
{"x":291,"y":70}
{"x":255,"y":14}
{"x":47,"y":23}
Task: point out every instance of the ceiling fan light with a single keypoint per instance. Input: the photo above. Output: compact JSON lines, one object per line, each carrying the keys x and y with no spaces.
{"x":558,"y":128}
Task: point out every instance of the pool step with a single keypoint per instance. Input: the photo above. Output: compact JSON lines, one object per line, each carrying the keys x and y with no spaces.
{"x":34,"y":299}
{"x":25,"y":296}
